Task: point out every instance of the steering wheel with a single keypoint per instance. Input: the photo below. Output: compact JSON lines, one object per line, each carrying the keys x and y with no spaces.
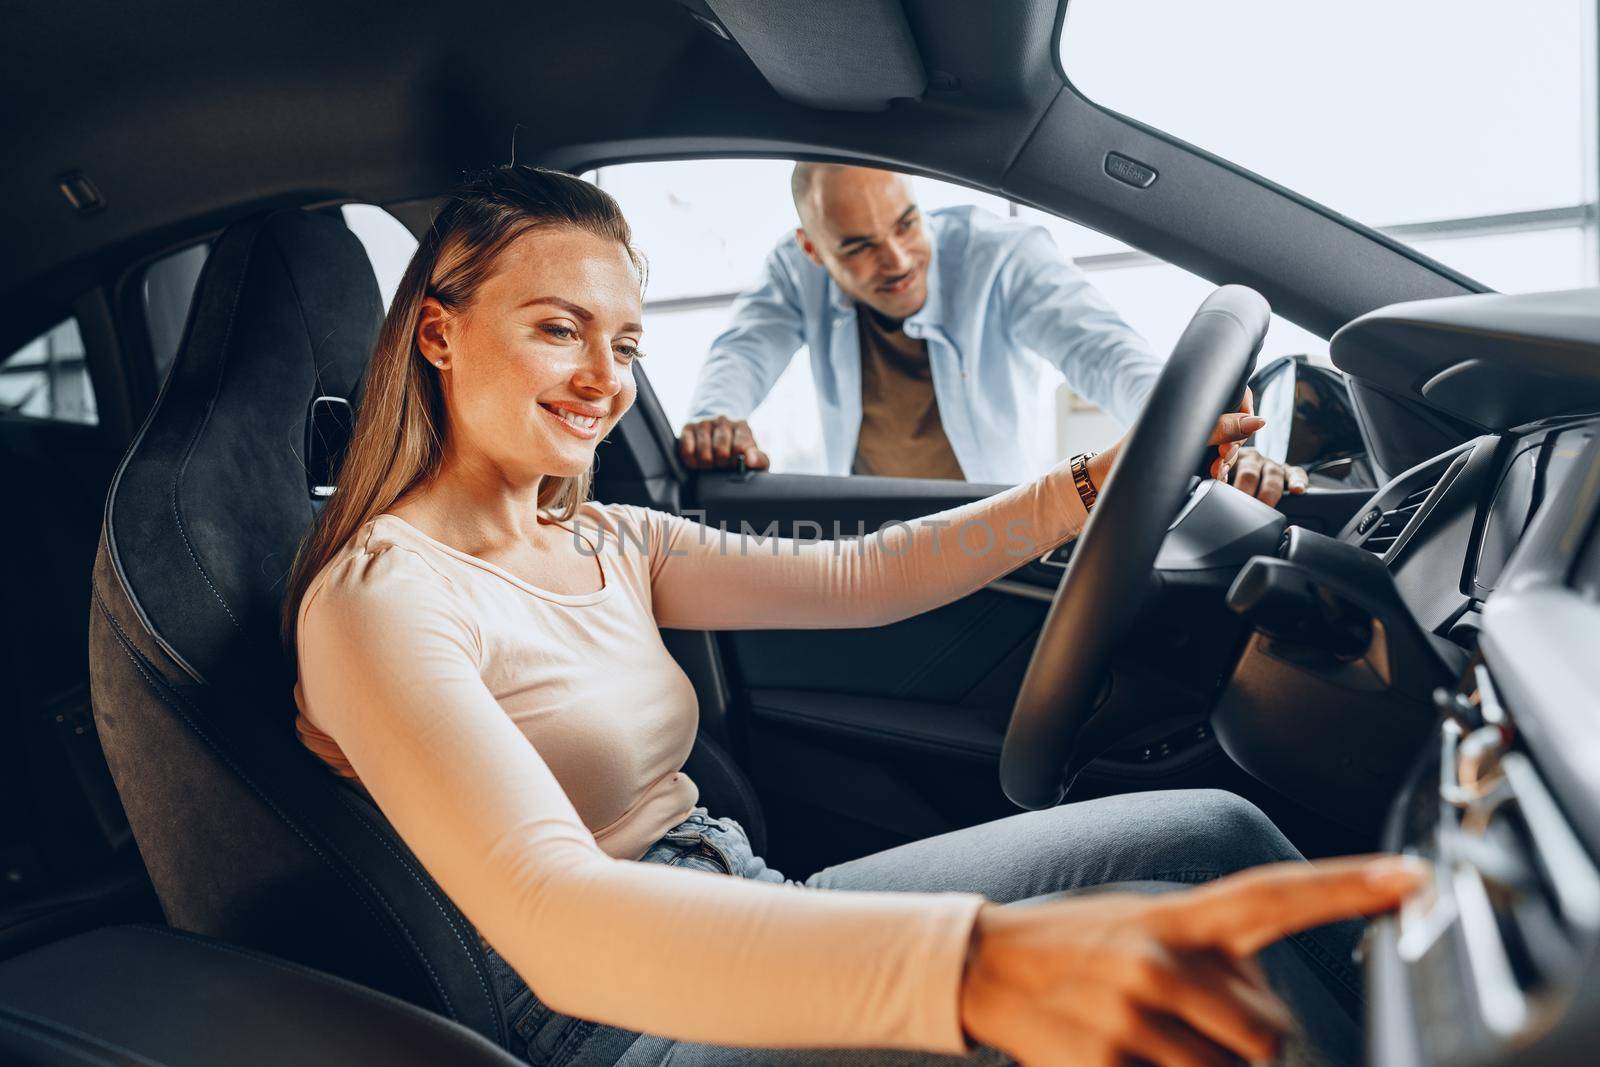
{"x":1100,"y":595}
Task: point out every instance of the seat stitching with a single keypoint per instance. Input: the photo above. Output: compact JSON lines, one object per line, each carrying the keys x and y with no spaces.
{"x":183,"y":465}
{"x":125,"y":645}
{"x":416,"y":949}
{"x":433,"y":1021}
{"x":183,"y":534}
{"x":178,"y":521}
{"x":157,"y":686}
{"x":410,"y":867}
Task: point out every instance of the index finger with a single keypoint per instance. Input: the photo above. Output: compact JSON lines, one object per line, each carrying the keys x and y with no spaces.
{"x":1246,"y":912}
{"x":1235,"y":426}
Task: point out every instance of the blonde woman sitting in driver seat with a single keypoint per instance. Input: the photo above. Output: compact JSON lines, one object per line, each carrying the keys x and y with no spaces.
{"x":478,"y":644}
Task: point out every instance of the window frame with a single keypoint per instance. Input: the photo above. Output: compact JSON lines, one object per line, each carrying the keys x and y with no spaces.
{"x":1397,"y":236}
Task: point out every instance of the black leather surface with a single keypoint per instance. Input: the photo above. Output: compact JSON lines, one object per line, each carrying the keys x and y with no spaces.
{"x":148,"y":995}
{"x":246,"y":836}
{"x":287,"y":309}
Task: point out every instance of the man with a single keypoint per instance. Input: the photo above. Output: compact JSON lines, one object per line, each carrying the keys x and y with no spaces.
{"x":923,"y":332}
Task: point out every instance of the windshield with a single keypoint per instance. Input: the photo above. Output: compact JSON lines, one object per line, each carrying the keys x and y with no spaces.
{"x":1465,"y":128}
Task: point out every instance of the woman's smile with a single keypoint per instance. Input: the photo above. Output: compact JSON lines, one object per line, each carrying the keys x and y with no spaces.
{"x":581,"y":421}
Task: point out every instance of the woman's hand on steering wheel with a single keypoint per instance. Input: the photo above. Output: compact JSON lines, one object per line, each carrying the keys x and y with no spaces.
{"x":1232,"y":428}
{"x":1106,"y":582}
{"x":1164,"y":979}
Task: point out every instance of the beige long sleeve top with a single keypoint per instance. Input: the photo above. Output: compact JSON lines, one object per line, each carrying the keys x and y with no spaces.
{"x":528,"y":745}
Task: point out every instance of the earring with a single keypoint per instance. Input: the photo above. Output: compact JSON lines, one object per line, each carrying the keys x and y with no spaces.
{"x":438,"y":363}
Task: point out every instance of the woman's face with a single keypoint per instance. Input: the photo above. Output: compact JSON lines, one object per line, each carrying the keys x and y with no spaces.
{"x":539,"y":367}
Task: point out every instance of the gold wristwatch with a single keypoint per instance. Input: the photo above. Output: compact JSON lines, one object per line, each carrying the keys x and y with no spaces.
{"x":1080,"y":478}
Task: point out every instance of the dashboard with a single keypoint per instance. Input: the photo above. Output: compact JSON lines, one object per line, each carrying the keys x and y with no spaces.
{"x":1493,"y":548}
{"x":1447,"y":528}
{"x":1488,"y":965}
{"x":1495,"y":963}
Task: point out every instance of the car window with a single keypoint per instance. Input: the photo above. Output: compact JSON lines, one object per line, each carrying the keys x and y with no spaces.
{"x":167,"y":290}
{"x":708,"y":229}
{"x":388,"y":243}
{"x":47,"y":378}
{"x":1157,"y":298}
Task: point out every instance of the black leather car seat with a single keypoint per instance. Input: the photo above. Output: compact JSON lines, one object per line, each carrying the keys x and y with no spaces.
{"x":149,"y":996}
{"x":247,"y":837}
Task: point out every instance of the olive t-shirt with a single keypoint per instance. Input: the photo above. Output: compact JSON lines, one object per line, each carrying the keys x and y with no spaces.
{"x":901,"y":434}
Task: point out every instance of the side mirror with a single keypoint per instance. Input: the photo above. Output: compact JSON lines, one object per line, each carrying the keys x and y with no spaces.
{"x":1311,"y":422}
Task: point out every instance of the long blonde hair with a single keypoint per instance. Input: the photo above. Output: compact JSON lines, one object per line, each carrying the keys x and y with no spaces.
{"x":400,"y":431}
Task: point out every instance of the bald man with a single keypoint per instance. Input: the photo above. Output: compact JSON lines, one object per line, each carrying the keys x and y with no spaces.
{"x":926,"y":335}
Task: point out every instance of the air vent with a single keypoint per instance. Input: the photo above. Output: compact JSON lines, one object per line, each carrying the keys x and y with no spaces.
{"x":1383,"y":531}
{"x":1386,"y":529}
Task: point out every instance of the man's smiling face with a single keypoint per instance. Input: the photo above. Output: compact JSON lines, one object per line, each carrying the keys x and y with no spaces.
{"x":863,"y":227}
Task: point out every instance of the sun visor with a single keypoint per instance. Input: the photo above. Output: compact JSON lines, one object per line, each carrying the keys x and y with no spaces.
{"x":854,"y":56}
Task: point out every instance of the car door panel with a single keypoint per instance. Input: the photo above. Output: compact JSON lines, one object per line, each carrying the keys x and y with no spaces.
{"x":860,"y":739}
{"x":940,"y":729}
{"x":940,"y":655}
{"x":854,"y":503}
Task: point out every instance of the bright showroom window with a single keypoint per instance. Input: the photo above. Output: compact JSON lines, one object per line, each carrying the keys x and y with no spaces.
{"x":1465,"y":128}
{"x":706,"y":226}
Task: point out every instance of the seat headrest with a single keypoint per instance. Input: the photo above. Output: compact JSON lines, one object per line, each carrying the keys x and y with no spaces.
{"x":211,"y":501}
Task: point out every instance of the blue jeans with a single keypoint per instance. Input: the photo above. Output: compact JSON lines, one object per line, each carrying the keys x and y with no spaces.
{"x":1160,"y":841}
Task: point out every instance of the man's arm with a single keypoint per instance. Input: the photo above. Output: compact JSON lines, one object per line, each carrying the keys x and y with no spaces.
{"x":1052,"y":309}
{"x":767,"y":327}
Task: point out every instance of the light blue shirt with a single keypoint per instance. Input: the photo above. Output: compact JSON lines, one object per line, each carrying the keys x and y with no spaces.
{"x":999,"y":294}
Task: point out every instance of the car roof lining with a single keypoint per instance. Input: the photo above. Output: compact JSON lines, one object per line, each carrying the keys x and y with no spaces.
{"x":187,"y":145}
{"x":798,"y":52}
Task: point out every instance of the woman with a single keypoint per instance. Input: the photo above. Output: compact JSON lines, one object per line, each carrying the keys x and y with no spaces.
{"x":479,"y":645}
